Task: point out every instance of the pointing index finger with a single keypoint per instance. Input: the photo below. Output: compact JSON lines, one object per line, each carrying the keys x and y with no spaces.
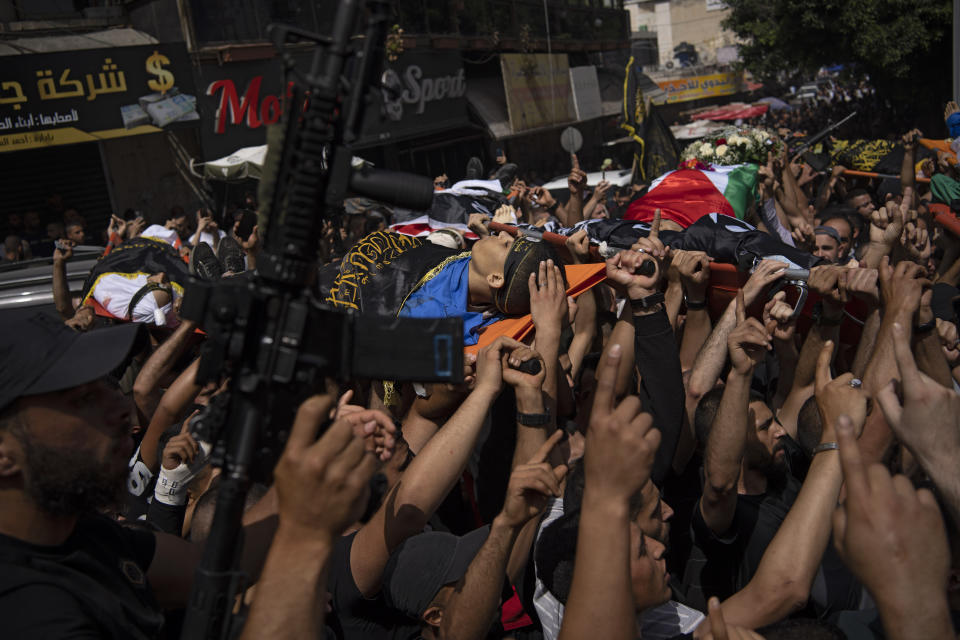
{"x":655,"y":226}
{"x":823,"y":365}
{"x":606,"y":382}
{"x":546,"y":447}
{"x":741,"y":308}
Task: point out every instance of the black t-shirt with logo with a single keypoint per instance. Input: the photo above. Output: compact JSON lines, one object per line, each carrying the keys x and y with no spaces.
{"x":92,"y":586}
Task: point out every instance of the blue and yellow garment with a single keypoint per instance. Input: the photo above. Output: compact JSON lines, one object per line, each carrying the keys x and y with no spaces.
{"x":390,"y":274}
{"x":443,"y":293}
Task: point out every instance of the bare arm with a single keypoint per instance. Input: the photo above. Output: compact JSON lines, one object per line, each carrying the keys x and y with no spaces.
{"x":619,"y":456}
{"x":322,"y":486}
{"x":473,"y":606}
{"x":428,"y":479}
{"x":146,"y":391}
{"x":172,"y":405}
{"x":724,"y":452}
{"x":61,"y":289}
{"x":728,"y":434}
{"x":789,"y":565}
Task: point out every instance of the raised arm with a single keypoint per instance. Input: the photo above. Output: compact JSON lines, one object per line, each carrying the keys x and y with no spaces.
{"x":893,"y":539}
{"x":728,"y":434}
{"x":789,"y":565}
{"x":61,"y":289}
{"x":573,"y":211}
{"x":927,"y":421}
{"x":322,"y":487}
{"x":620,"y":447}
{"x":473,"y":606}
{"x":431,"y":475}
{"x":146,"y":388}
{"x":693,"y":268}
{"x":174,"y":402}
{"x":709,"y":362}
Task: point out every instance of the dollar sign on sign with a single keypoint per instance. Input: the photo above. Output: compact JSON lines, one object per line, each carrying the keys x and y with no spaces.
{"x":164,"y":80}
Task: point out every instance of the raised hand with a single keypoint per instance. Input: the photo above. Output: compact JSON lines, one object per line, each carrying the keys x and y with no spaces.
{"x":577,"y":181}
{"x":928,"y":419}
{"x":652,"y":246}
{"x":862,"y":283}
{"x":478,"y":222}
{"x":621,"y":442}
{"x":766,"y":273}
{"x":893,"y":539}
{"x":548,"y":298}
{"x":322,"y":485}
{"x":579,"y":246}
{"x":532,"y":484}
{"x":748,"y":341}
{"x":63,"y":250}
{"x":902,"y":286}
{"x":778,"y":318}
{"x":837,"y":396}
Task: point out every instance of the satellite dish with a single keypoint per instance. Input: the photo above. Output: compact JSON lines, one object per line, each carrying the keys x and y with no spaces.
{"x":571,"y":140}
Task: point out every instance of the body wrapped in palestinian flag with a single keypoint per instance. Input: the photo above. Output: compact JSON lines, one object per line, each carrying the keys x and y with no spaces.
{"x":686,"y":195}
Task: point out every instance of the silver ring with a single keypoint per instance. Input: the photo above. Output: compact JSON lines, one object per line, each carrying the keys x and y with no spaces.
{"x":640,"y":250}
{"x":856,"y":383}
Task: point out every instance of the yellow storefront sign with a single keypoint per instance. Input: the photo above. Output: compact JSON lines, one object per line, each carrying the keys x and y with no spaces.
{"x":705,"y":86}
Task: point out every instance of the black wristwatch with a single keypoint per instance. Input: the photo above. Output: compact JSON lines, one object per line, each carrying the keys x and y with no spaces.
{"x":821,"y":319}
{"x":533,"y":419}
{"x":647,"y":303}
{"x":694,"y":306}
{"x":926,"y":326}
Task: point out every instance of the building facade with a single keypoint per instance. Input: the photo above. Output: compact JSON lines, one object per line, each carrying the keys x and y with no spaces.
{"x":201,"y":79}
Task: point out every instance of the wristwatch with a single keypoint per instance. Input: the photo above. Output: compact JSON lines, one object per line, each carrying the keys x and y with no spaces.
{"x":926,"y":326}
{"x":533,"y":419}
{"x":647,"y":303}
{"x":694,"y":306}
{"x":823,"y":320}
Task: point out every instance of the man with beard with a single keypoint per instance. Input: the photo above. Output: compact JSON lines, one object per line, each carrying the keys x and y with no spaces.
{"x":68,"y":570}
{"x":747,"y":486}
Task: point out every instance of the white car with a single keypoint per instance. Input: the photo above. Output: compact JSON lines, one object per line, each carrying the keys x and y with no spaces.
{"x":616,"y":177}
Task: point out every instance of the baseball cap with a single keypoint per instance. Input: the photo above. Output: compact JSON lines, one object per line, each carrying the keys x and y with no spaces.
{"x":426,"y":562}
{"x":40,"y":354}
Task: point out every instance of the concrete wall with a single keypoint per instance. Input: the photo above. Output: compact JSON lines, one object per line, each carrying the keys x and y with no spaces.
{"x":677,"y":21}
{"x":691,"y":22}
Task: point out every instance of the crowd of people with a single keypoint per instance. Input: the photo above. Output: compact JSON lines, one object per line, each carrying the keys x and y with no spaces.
{"x":682,"y":460}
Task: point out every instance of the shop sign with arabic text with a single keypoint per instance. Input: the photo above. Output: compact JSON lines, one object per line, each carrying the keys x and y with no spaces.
{"x":93,"y":94}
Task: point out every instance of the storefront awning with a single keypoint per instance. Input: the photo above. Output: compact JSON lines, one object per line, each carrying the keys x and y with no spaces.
{"x":735,"y":111}
{"x":76,"y":42}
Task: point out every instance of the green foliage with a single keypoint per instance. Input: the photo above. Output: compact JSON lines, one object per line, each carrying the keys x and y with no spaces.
{"x":904,"y":45}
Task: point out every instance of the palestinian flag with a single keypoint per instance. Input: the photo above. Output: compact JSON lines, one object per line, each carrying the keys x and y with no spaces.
{"x":686,"y":195}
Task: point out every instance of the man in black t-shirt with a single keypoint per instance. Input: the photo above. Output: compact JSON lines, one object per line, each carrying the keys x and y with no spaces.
{"x":64,"y":442}
{"x":65,"y":438}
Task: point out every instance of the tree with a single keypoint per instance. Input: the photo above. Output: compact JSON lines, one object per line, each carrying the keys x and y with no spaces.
{"x":904,"y":45}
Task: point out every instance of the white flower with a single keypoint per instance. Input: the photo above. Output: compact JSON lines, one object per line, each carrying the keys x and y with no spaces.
{"x":722,"y":150}
{"x":737,"y":140}
{"x":706,"y":149}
